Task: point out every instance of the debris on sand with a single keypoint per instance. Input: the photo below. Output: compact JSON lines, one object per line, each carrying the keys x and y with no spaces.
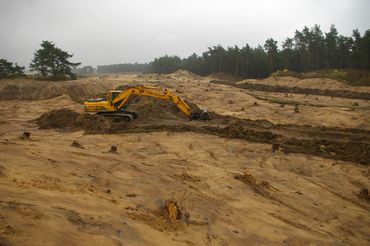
{"x":259,"y":186}
{"x":364,"y":194}
{"x":173,"y":211}
{"x":25,"y":136}
{"x":276,"y":147}
{"x":113,"y":149}
{"x":168,"y":217}
{"x":185,"y":176}
{"x":77,"y":145}
{"x":297,"y":109}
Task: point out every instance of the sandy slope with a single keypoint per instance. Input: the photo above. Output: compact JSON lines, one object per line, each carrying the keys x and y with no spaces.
{"x":320,"y":83}
{"x":55,"y":194}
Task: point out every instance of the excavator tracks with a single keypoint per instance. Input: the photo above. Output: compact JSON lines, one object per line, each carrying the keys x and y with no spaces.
{"x":120,"y":115}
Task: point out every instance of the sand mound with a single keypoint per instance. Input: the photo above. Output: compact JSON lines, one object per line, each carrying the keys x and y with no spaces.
{"x":185,"y":73}
{"x":69,"y":120}
{"x":47,"y":90}
{"x":224,"y":76}
{"x":153,"y":109}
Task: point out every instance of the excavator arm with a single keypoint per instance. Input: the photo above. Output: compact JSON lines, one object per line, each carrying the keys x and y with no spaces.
{"x":121,"y":99}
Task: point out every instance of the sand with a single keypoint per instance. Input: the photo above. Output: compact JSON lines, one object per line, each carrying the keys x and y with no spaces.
{"x":230,"y":191}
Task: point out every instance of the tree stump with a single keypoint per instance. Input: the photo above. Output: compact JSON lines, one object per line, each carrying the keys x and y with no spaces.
{"x":113,"y":149}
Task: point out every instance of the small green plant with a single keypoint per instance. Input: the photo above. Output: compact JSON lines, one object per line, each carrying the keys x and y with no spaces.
{"x":322,"y":148}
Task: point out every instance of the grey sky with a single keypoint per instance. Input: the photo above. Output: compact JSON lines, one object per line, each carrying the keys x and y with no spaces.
{"x":116,"y":31}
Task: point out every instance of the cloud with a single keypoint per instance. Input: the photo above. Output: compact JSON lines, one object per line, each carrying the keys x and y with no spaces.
{"x":116,"y":31}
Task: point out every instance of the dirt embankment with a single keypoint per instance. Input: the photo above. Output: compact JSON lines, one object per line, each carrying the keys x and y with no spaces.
{"x":296,"y":90}
{"x":47,"y":90}
{"x":155,"y":115}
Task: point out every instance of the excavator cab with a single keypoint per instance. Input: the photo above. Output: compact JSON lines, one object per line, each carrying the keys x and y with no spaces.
{"x":113,"y":95}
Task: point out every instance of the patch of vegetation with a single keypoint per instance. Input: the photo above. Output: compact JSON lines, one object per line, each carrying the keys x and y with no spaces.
{"x":287,"y":73}
{"x":10,"y":70}
{"x":322,"y":148}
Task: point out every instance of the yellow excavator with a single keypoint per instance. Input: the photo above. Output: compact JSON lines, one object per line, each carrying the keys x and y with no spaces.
{"x":116,"y":102}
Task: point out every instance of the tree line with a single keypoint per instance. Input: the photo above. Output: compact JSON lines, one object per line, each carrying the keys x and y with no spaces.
{"x":308,"y":50}
{"x":126,"y":67}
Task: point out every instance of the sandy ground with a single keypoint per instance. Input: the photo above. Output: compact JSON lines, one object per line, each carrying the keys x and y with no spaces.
{"x":56,"y":194}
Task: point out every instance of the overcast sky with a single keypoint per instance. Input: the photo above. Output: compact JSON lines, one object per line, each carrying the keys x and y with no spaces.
{"x":101,"y":32}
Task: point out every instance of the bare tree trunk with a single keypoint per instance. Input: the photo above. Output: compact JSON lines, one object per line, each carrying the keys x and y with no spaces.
{"x":367,"y":63}
{"x":247,"y":68}
{"x":237,"y":67}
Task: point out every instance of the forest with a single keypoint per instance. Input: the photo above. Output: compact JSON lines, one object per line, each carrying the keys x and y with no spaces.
{"x":308,"y":50}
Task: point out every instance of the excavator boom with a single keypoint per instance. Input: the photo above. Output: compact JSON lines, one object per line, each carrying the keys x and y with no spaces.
{"x":165,"y":94}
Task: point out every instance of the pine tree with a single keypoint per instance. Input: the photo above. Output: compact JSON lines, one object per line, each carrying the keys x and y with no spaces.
{"x":52,"y":61}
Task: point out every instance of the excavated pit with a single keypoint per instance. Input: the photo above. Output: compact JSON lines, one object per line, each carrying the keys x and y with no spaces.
{"x":158,"y":115}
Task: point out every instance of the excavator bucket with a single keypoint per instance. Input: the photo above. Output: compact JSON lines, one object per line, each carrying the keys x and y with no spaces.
{"x":200,"y":115}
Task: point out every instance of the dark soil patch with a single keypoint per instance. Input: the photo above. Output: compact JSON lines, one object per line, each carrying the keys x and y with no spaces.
{"x":364,"y":195}
{"x":334,"y":143}
{"x":69,"y":120}
{"x":297,"y":90}
{"x":151,"y":109}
